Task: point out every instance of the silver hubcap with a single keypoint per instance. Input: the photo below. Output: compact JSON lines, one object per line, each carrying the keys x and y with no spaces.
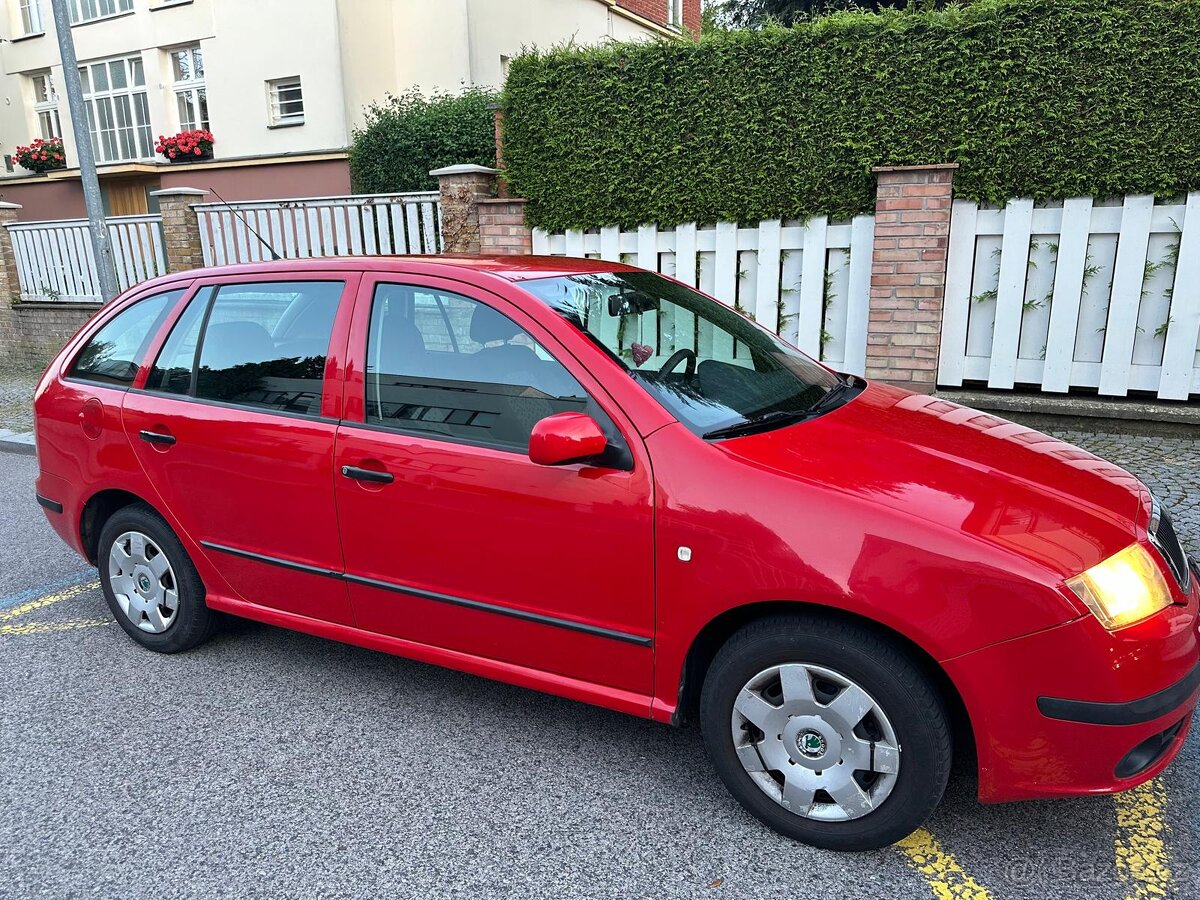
{"x":143,"y":582}
{"x":815,"y":742}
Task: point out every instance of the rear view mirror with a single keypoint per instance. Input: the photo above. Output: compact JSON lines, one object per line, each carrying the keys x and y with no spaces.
{"x":565,"y":438}
{"x":630,"y":303}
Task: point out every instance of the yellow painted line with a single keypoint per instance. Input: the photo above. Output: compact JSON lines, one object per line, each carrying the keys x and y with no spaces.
{"x":1141,"y":851}
{"x":29,"y":628}
{"x":941,"y":870}
{"x":43,"y":602}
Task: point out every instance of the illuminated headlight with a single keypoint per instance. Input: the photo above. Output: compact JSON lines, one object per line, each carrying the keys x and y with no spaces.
{"x":1126,"y":588}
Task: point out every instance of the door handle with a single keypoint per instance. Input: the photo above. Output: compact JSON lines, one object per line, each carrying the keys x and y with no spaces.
{"x":368,"y":475}
{"x":156,"y":437}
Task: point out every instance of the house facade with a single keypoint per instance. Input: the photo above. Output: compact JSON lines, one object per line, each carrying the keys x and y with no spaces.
{"x":280,"y":83}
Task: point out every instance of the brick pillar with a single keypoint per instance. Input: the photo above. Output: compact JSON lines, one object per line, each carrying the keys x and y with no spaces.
{"x":908,"y":274}
{"x":10,"y":287}
{"x":498,"y":126}
{"x":181,"y":227}
{"x":461,"y":188}
{"x":502,"y":228}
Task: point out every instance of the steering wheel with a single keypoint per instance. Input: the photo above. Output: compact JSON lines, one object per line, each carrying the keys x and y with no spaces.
{"x":676,"y":358}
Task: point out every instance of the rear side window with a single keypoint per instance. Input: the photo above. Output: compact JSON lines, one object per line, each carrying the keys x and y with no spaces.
{"x":115,"y":352}
{"x":257,"y":345}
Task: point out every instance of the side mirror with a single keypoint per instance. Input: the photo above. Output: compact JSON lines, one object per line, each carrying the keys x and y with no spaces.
{"x":564,"y":438}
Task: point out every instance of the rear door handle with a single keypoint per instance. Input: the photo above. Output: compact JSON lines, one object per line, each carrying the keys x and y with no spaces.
{"x":367,"y":475}
{"x":156,"y":437}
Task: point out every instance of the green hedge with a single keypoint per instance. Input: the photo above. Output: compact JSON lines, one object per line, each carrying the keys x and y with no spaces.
{"x":1041,"y":98}
{"x":407,"y":136}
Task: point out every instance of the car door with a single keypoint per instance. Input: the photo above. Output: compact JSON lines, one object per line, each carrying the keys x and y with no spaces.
{"x":452,"y":536}
{"x":234,"y":426}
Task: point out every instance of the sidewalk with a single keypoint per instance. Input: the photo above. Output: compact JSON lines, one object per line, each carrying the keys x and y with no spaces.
{"x":16,"y":397}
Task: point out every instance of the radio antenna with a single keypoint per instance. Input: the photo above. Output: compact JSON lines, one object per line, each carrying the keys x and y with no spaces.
{"x":275,"y":257}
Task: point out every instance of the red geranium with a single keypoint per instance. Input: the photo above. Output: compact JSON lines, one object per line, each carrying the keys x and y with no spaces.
{"x":186,"y":143}
{"x":41,"y":155}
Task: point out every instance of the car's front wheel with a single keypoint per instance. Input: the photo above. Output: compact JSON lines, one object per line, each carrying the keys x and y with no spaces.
{"x":826,"y":731}
{"x":150,"y":584}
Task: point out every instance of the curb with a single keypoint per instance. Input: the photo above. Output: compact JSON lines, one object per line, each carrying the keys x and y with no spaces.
{"x":17,"y":442}
{"x":1075,"y":407}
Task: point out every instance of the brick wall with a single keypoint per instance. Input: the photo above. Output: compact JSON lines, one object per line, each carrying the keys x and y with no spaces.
{"x":908,"y":274}
{"x":31,"y":333}
{"x":502,"y":228}
{"x":656,"y":11}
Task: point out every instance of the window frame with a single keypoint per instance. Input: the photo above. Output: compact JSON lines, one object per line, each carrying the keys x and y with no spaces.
{"x":188,"y":90}
{"x":77,"y":16}
{"x":623,"y":434}
{"x":332,"y":390}
{"x":275,"y":116}
{"x":675,"y":14}
{"x":46,"y":111}
{"x":141,"y":133}
{"x":32,"y":22}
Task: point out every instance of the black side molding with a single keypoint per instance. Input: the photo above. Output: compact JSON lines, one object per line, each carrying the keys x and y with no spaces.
{"x":1132,"y":713}
{"x":552,"y":621}
{"x":46,"y":503}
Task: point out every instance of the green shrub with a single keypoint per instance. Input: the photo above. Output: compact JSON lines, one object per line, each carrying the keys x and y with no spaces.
{"x":405,"y":137}
{"x":1041,"y":98}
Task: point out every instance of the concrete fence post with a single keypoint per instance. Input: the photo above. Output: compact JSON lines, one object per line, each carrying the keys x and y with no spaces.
{"x":181,"y":227}
{"x":461,"y":188}
{"x":908,"y":273}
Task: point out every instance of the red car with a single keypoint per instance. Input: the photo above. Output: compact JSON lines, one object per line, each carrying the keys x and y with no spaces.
{"x":592,"y":480}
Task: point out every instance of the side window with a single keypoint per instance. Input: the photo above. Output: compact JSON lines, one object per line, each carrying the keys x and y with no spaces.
{"x":115,"y":352}
{"x":443,"y":364}
{"x":174,"y":368}
{"x":258,"y":345}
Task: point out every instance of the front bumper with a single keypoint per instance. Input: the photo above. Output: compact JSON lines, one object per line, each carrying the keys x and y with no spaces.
{"x":1076,"y":710}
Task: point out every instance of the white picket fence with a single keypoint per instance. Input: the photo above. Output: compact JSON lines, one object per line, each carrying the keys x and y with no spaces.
{"x":375,"y":224}
{"x":1075,"y":295}
{"x":807,"y":281}
{"x":55,"y":259}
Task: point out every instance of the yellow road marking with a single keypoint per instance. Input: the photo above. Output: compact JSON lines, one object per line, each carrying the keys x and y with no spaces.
{"x":42,"y":602}
{"x":1142,"y":860}
{"x":46,"y":627}
{"x":945,"y":876}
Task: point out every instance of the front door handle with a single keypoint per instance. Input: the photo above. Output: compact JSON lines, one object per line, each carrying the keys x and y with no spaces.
{"x":157,"y":437}
{"x":368,"y":475}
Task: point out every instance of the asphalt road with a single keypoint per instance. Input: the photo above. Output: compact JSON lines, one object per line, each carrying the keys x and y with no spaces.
{"x":268,"y":763}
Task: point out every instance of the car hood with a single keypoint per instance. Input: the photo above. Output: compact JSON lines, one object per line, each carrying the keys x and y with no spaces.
{"x":960,"y":469}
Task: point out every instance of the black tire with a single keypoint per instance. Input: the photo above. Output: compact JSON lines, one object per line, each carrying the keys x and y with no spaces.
{"x":193,"y":622}
{"x":886,"y":671}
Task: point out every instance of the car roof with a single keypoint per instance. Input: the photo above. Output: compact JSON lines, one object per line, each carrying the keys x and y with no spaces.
{"x":510,"y":268}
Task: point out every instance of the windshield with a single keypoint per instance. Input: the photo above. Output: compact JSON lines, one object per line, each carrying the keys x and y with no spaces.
{"x":712,"y":368}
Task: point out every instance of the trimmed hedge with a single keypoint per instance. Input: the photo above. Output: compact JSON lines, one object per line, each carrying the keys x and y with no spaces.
{"x":407,"y":136}
{"x":1041,"y":98}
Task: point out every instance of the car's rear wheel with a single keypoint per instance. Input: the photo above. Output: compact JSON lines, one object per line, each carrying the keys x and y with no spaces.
{"x":150,"y":584}
{"x":828,"y":732}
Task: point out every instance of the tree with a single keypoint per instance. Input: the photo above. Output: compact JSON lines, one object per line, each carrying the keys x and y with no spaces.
{"x":756,"y":13}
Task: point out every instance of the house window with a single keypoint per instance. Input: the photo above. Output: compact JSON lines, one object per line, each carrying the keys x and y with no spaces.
{"x":675,"y":13}
{"x":118,"y":113}
{"x":287,"y":101}
{"x":45,"y":106}
{"x":31,"y":16}
{"x":86,"y":10}
{"x":191,"y":98}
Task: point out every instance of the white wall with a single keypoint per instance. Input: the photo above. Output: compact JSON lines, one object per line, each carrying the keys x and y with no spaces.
{"x":348,"y":54}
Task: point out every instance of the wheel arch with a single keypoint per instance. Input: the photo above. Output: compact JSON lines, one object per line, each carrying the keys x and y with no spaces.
{"x":716,"y":632}
{"x":99,"y":508}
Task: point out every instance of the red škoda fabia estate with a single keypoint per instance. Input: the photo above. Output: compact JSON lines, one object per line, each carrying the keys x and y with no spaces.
{"x":592,"y":480}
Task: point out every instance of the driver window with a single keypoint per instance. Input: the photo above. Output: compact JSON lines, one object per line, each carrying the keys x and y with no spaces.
{"x":445,"y":365}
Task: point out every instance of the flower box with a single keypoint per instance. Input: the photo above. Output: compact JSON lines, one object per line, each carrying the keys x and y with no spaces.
{"x":41,"y":155}
{"x":187,"y":146}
